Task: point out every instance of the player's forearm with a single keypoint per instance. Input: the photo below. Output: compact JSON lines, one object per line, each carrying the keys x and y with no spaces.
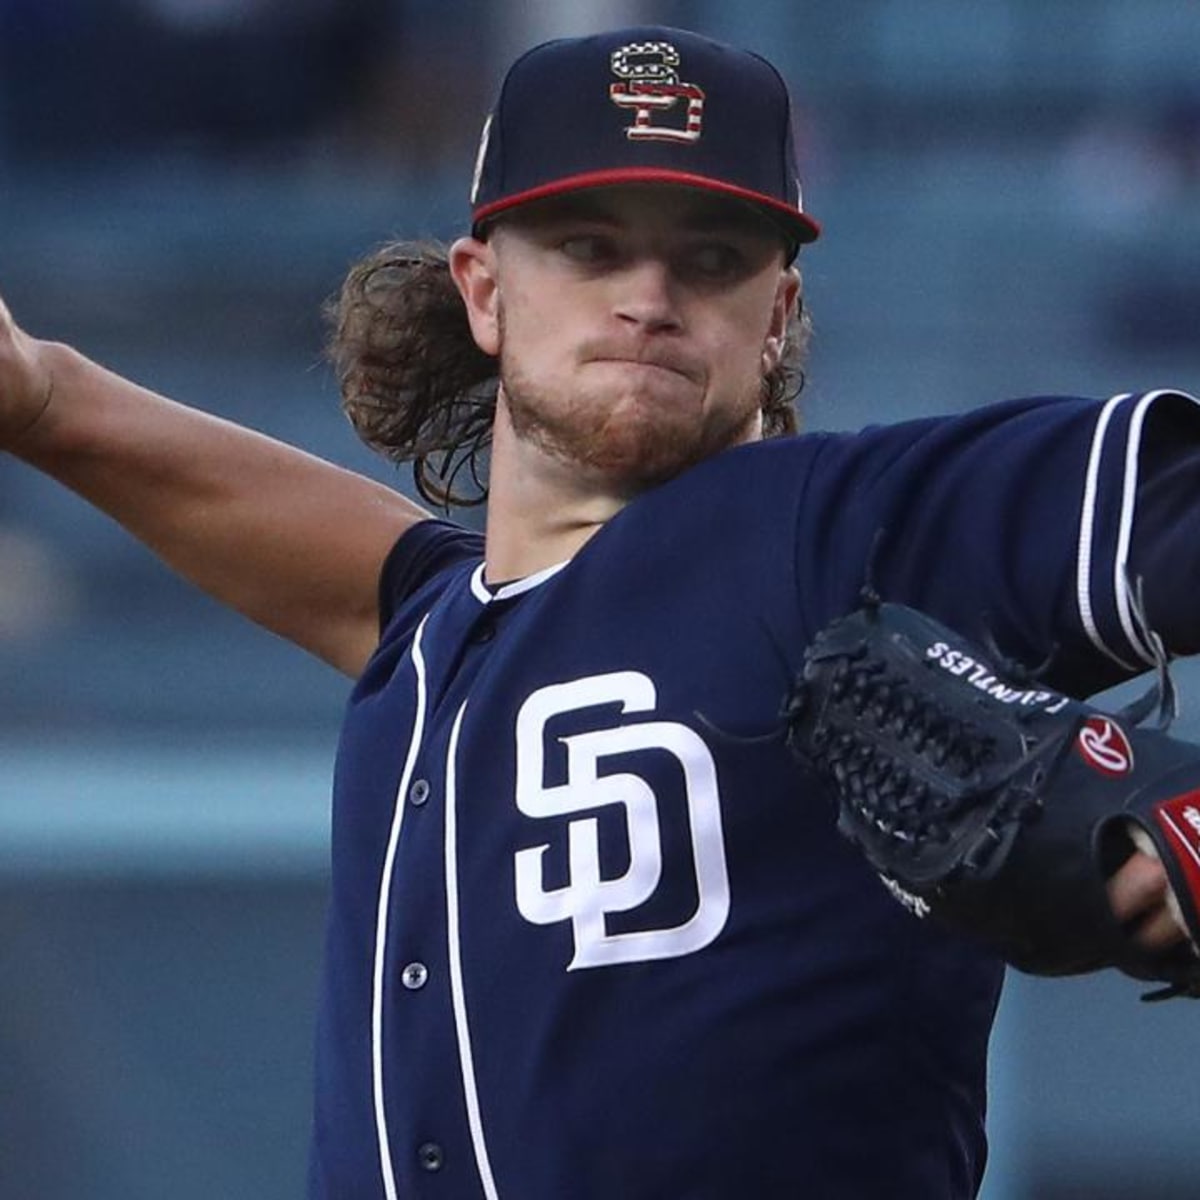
{"x":292,"y":541}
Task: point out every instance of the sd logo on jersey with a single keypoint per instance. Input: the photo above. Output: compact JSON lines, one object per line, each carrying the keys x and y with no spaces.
{"x":587,"y":898}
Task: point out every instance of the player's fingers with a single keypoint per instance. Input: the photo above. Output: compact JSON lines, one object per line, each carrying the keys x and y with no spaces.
{"x":1159,"y":930}
{"x":1139,"y":887}
{"x":1138,"y":894}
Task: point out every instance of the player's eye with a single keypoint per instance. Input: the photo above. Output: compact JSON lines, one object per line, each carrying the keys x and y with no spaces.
{"x":588,"y":249}
{"x":713,"y":260}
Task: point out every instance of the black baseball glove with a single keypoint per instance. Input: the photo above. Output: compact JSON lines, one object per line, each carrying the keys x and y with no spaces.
{"x":993,"y":803}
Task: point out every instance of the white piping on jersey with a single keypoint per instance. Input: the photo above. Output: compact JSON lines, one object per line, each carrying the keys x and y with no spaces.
{"x":1083,"y":575}
{"x":485,"y":595}
{"x":1133,"y":447}
{"x":457,"y":991}
{"x":381,"y":922}
{"x":1121,"y":584}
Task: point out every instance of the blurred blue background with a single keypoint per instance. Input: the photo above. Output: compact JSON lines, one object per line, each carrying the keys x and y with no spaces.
{"x":1010,"y":191}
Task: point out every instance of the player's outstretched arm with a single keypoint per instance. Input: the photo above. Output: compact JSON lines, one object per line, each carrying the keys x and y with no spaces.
{"x":291,"y":541}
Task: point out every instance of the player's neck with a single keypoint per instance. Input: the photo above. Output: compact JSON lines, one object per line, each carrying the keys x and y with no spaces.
{"x":540,"y":510}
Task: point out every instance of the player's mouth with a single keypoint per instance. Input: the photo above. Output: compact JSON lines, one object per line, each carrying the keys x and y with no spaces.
{"x":658,"y":360}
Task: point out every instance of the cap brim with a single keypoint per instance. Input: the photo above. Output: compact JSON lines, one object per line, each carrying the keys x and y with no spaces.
{"x":798,"y":226}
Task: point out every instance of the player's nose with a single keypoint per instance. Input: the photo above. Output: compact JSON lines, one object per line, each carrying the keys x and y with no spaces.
{"x":646,"y":295}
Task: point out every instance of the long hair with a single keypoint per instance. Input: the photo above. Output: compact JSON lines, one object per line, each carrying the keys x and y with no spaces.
{"x":416,"y":387}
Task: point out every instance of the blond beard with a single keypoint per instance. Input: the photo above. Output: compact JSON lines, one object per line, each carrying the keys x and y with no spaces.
{"x":636,"y":450}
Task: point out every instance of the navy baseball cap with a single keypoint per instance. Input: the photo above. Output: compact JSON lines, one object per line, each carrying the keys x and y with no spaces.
{"x":642,"y":105}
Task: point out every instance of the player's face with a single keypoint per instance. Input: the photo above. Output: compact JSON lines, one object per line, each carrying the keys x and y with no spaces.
{"x":634,"y":326}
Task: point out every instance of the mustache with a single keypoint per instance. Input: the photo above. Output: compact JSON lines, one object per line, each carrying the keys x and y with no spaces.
{"x":648,"y":353}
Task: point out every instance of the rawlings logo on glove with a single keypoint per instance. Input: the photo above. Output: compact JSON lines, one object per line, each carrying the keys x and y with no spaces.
{"x":999,"y":808}
{"x":1104,"y":746}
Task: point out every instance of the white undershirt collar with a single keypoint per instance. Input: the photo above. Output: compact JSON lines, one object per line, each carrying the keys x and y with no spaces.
{"x":486,"y":595}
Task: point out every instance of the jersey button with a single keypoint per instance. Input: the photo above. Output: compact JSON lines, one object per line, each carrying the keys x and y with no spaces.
{"x":414,"y":976}
{"x":419,"y":792}
{"x":430,"y":1156}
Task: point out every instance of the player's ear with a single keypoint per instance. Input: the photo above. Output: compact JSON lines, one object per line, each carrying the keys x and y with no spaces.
{"x":787,"y":297}
{"x":473,"y":269}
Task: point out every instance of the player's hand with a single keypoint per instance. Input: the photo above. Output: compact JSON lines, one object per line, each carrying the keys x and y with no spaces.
{"x":26,"y":385}
{"x":1139,"y":894}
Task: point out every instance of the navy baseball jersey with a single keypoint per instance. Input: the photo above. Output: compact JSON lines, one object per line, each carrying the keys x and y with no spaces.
{"x":593,"y":933}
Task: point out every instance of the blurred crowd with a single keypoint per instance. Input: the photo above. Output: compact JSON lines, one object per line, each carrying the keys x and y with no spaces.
{"x":230,"y":78}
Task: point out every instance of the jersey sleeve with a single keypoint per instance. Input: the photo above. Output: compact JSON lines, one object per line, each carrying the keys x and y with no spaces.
{"x":1013,"y":523}
{"x":421,"y":553}
{"x":1159,"y":517}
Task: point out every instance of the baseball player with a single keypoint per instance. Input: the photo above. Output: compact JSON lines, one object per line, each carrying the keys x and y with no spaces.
{"x":592,"y":931}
